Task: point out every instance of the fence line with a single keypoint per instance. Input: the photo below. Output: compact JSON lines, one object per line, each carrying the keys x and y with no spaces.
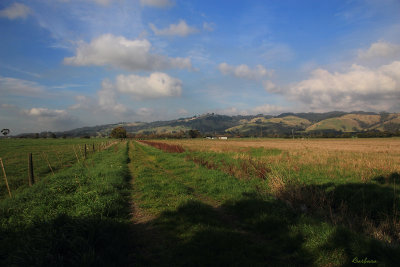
{"x":32,"y":175}
{"x":5,"y":177}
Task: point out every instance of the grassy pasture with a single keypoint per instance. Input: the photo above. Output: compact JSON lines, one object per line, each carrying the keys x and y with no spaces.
{"x":354,"y":183}
{"x":252,"y":202}
{"x":193,"y":209}
{"x":78,"y":217}
{"x":58,"y":152}
{"x":313,"y":160}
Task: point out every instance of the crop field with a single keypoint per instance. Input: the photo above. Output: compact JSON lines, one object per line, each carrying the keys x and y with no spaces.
{"x":239,"y":202}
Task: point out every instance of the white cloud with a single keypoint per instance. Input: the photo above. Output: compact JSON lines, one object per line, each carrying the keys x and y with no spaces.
{"x":82,"y":102}
{"x":179,"y":29}
{"x":268,"y":85}
{"x":244,"y":71}
{"x":117,"y":51}
{"x":380,"y":50}
{"x":107,"y":98}
{"x":45,"y":112}
{"x":50,"y":119}
{"x":156,"y":3}
{"x":16,"y":11}
{"x":360,"y":88}
{"x":155,"y":86}
{"x":12,"y":86}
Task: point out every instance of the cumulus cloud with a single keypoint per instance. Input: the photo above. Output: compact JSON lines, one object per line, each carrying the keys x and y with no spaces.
{"x":119,"y":52}
{"x":156,"y":3}
{"x":107,"y":98}
{"x":245,"y":72}
{"x":82,"y":102}
{"x":15,"y":11}
{"x":179,"y":29}
{"x":52,"y":119}
{"x":45,"y":112}
{"x":380,"y":50}
{"x":268,"y":85}
{"x":359,"y":88}
{"x":13,"y":86}
{"x":155,"y":86}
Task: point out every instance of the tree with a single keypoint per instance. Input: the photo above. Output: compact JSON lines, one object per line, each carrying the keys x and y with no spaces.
{"x":118,"y":132}
{"x":194,"y":133}
{"x":5,"y":131}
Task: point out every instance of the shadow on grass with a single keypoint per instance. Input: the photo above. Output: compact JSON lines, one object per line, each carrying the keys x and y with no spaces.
{"x":251,"y":232}
{"x":67,"y":241}
{"x":243,"y":233}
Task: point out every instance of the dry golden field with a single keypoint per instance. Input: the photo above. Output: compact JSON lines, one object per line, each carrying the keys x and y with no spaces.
{"x":365,"y":158}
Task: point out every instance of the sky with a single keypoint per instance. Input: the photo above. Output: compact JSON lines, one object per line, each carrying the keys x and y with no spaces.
{"x":72,"y":63}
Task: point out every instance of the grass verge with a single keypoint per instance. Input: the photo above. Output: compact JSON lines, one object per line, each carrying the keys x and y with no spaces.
{"x":79,"y":216}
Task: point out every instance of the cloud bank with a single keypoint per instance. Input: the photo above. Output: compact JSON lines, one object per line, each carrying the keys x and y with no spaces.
{"x":157,"y":85}
{"x":380,"y":51}
{"x":51,"y":119}
{"x":119,"y":52}
{"x":360,"y":88}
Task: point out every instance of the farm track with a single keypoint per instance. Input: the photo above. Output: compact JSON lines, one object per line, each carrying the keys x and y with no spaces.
{"x":140,"y":216}
{"x":148,"y":237}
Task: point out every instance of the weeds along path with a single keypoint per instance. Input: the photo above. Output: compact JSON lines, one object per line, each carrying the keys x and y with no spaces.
{"x":185,"y":214}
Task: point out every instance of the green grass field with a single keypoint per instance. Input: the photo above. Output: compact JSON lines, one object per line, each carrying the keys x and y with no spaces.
{"x":235,"y":205}
{"x":59,"y":153}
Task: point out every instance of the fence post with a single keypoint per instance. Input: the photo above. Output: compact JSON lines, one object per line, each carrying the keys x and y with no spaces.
{"x":93,"y":148}
{"x":77,"y":158}
{"x":5,"y":177}
{"x":30,"y":170}
{"x":45,"y":157}
{"x":85,"y":152}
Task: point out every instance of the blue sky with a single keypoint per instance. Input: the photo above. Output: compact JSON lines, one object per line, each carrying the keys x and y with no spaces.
{"x":73,"y":63}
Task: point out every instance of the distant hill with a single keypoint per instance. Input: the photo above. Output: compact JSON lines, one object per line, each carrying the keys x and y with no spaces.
{"x":254,"y":125}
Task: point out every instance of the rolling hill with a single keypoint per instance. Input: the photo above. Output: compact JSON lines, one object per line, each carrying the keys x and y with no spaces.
{"x":254,"y":125}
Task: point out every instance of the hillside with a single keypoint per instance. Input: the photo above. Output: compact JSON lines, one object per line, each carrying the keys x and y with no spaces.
{"x":252,"y":125}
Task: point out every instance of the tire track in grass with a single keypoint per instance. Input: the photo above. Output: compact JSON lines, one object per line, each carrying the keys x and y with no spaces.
{"x":194,"y":193}
{"x":201,"y":222}
{"x":138,"y":215}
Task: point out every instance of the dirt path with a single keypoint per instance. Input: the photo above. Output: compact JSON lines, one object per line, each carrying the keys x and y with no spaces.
{"x":138,"y":215}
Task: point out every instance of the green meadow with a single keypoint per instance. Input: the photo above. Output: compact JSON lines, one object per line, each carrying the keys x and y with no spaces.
{"x":229,"y":203}
{"x":49,"y":155}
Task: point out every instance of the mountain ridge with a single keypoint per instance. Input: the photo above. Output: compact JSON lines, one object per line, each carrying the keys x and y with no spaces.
{"x":252,"y":125}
